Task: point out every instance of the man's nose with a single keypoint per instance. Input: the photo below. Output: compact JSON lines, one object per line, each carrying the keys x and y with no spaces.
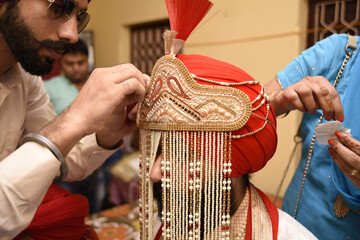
{"x":155,"y":174}
{"x":68,"y":31}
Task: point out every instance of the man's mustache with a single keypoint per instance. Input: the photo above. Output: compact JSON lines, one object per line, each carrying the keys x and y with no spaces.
{"x":58,"y":45}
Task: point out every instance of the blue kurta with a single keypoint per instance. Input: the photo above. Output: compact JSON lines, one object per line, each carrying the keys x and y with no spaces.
{"x":325,"y":180}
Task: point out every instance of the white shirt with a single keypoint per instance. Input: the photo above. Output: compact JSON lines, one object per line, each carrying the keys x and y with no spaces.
{"x":26,"y":174}
{"x":290,"y":229}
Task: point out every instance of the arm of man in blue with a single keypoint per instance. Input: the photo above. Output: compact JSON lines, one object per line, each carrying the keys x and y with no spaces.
{"x":306,"y":84}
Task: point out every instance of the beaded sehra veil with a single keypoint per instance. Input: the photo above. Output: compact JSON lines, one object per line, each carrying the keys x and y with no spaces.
{"x":193,"y":125}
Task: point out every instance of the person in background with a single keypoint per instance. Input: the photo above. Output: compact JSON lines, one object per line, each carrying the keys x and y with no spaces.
{"x":62,"y":90}
{"x":33,"y":34}
{"x":74,"y":65}
{"x":329,"y":204}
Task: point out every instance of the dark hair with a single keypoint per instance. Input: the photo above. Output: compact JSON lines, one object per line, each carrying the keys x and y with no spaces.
{"x":79,"y":47}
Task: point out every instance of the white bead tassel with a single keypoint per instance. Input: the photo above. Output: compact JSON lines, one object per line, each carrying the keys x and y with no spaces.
{"x":141,"y":178}
{"x":165,"y":186}
{"x":173,"y":186}
{"x":199,"y":186}
{"x":206,"y":187}
{"x":218,"y":188}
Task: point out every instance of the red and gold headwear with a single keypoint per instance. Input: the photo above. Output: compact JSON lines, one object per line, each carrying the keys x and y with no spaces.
{"x":212,"y":120}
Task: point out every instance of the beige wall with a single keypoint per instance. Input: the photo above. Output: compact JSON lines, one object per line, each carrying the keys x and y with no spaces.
{"x":261,"y":37}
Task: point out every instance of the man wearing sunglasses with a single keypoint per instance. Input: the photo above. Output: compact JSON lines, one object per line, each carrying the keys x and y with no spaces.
{"x":36,"y":147}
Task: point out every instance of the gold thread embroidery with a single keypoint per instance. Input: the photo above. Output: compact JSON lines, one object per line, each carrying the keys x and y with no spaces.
{"x":179,"y":103}
{"x":340,"y":207}
{"x":260,"y":217}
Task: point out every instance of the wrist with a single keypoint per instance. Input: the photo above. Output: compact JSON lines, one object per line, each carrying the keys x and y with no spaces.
{"x":64,"y":132}
{"x":45,"y":142}
{"x":109,"y":146}
{"x":277,"y":103}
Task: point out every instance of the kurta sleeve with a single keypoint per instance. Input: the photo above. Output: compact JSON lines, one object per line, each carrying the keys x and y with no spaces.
{"x":318,"y":60}
{"x":27,"y":172}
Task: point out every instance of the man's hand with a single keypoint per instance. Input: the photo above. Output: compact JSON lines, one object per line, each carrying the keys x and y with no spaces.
{"x":100,"y":107}
{"x":307,"y":95}
{"x":346,"y":154}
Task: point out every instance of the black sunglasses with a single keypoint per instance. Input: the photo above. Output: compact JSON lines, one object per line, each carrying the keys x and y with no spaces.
{"x":66,"y":9}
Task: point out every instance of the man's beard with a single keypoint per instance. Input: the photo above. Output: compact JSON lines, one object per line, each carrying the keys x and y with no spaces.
{"x":23,"y":44}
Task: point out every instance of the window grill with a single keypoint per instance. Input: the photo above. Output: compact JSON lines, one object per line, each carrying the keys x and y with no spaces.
{"x":328,"y":17}
{"x":147,"y":44}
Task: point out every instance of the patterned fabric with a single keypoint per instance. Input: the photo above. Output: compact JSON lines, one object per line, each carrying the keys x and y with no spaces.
{"x":121,"y":222}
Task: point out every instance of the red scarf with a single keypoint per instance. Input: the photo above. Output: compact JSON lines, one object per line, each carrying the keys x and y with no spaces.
{"x":60,"y":216}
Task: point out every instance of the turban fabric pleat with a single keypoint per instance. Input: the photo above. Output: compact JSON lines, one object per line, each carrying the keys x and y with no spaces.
{"x":249,"y":153}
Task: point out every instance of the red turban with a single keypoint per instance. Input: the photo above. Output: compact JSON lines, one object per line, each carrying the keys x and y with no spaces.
{"x":250,"y":153}
{"x":60,"y":216}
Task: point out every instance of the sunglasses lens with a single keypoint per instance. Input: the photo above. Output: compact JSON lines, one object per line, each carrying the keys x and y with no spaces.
{"x":62,"y":8}
{"x":83,"y":19}
{"x":66,"y":9}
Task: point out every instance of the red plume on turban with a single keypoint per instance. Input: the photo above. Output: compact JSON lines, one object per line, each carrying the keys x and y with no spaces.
{"x":60,"y":216}
{"x":185,"y":15}
{"x":250,"y":153}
